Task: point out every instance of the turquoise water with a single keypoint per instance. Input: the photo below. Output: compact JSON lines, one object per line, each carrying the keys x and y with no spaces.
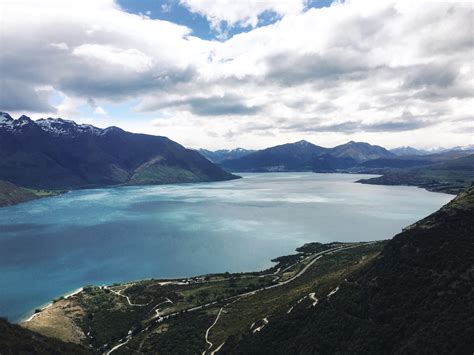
{"x":54,"y":245}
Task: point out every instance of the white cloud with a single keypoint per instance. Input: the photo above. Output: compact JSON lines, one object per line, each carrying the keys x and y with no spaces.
{"x":392,"y":73}
{"x":100,"y":111}
{"x":131,"y":58}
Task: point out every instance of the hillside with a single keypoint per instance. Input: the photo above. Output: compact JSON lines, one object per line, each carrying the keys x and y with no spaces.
{"x":11,"y":194}
{"x":60,"y":154}
{"x":416,"y":297}
{"x":449,"y":175}
{"x":17,"y":340}
{"x":360,"y":151}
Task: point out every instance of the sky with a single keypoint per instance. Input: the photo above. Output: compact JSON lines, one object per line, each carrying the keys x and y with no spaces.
{"x":250,"y":73}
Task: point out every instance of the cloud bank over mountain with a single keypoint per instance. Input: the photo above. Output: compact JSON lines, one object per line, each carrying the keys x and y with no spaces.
{"x":391,"y":73}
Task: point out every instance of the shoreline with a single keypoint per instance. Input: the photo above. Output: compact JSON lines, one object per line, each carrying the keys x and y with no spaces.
{"x":26,"y":318}
{"x":161,"y":281}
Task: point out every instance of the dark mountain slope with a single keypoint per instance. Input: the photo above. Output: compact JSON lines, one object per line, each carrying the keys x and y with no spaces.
{"x":360,"y":151}
{"x":416,"y":297}
{"x":287,"y":157}
{"x":304,"y":156}
{"x":58,"y":154}
{"x":17,"y":340}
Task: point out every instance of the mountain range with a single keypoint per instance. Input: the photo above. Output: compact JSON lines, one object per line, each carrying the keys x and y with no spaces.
{"x":406,"y":150}
{"x":220,"y":155}
{"x":55,"y":153}
{"x":305,"y":156}
{"x":348,"y":157}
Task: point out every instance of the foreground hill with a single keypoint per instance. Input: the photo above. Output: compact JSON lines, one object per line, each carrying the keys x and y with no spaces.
{"x":412,"y":294}
{"x":17,"y":340}
{"x":60,"y":154}
{"x":416,"y":297}
{"x":11,"y":194}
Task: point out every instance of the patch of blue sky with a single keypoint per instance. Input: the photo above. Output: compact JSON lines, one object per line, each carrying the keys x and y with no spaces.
{"x":121,"y":114}
{"x":172,"y":11}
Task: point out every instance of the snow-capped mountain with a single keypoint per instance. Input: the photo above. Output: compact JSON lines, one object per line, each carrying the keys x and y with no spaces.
{"x":54,"y":126}
{"x":407,"y":150}
{"x":55,"y":153}
{"x":59,"y":126}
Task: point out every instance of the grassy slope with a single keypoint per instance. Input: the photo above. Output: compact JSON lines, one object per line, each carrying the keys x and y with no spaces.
{"x":416,"y":297}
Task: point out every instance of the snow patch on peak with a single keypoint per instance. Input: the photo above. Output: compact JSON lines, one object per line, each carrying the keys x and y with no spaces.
{"x":58,"y":126}
{"x":5,"y":117}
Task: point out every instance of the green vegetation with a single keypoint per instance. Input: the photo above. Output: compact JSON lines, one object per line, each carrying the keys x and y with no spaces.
{"x":11,"y":194}
{"x":173,"y":315}
{"x":152,"y":173}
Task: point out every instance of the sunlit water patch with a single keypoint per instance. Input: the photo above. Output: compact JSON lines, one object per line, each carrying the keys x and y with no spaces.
{"x":51,"y":246}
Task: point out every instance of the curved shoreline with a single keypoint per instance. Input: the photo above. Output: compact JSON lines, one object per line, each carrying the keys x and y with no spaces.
{"x":28,"y":318}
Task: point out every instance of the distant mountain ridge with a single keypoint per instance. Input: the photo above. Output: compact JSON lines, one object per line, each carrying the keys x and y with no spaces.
{"x":410,"y":151}
{"x":220,"y":155}
{"x":402,"y":151}
{"x":397,"y":165}
{"x":360,"y":151}
{"x":55,"y":153}
{"x":305,"y":156}
{"x":296,"y":156}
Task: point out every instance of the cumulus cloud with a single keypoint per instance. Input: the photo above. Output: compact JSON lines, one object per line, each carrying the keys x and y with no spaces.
{"x":391,"y":72}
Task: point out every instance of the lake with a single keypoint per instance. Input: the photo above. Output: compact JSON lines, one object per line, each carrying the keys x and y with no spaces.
{"x":100,"y":236}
